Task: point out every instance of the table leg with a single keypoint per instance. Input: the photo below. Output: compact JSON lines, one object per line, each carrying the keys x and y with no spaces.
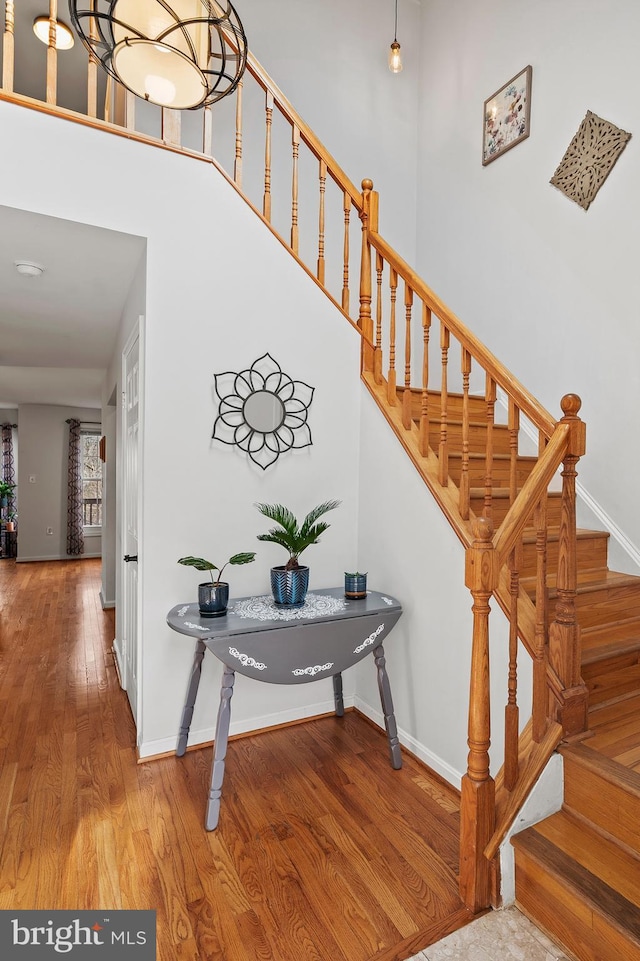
{"x":220,"y":748}
{"x":387,"y":708}
{"x":187,"y":711}
{"x":337,"y":695}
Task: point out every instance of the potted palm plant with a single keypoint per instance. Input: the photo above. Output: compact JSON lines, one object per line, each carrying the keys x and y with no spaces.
{"x":213,"y":595}
{"x":6,"y":491}
{"x":290,"y":581}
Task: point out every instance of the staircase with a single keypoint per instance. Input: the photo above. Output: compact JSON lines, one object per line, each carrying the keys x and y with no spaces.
{"x":578,"y":872}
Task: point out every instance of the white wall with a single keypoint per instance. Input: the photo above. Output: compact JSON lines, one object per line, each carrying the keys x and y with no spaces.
{"x":207,"y":310}
{"x":551,"y":289}
{"x":43,"y":440}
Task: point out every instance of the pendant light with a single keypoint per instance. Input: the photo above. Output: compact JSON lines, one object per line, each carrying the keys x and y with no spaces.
{"x":395,"y":58}
{"x":180,"y":54}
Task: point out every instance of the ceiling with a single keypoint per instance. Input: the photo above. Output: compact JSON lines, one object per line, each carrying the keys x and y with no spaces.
{"x":58,"y":331}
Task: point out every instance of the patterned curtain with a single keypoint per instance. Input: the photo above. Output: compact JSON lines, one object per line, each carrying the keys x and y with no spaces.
{"x":8,"y":462}
{"x":75,"y":535}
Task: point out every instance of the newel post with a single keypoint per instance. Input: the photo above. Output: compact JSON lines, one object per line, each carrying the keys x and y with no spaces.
{"x":369,"y":218}
{"x":477,"y":809}
{"x":564,"y":631}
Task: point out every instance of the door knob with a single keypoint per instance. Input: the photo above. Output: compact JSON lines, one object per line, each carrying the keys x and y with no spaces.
{"x":130,"y":557}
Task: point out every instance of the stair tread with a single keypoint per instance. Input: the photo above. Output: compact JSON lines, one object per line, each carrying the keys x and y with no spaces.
{"x":504,"y":458}
{"x":590,"y":580}
{"x":605,"y":768}
{"x":553,"y":534}
{"x":601,"y":897}
{"x":503,"y":493}
{"x":597,"y":852}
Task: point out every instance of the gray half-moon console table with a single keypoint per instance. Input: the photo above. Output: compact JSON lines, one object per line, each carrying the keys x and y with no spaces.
{"x":286,"y":646}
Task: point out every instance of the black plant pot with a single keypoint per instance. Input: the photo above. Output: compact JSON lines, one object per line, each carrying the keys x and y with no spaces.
{"x":213,"y":598}
{"x":289,"y":588}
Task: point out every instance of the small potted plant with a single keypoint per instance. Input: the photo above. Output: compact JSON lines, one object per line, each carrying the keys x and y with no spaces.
{"x":355,"y":585}
{"x":290,"y":581}
{"x":213,"y":595}
{"x":12,"y":517}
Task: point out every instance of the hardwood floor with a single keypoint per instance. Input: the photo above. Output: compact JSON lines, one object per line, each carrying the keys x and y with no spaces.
{"x":323,"y":852}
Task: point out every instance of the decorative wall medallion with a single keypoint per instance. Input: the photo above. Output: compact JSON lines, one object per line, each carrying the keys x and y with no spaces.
{"x":246,"y":660}
{"x":262,"y":411}
{"x":368,"y":641}
{"x":317,"y":669}
{"x":589,"y":159}
{"x":263,"y":608}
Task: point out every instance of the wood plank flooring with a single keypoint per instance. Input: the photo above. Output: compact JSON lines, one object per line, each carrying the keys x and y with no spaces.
{"x":323,"y":852}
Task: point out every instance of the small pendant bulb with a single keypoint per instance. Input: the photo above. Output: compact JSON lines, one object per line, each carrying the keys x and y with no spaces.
{"x":395,"y":59}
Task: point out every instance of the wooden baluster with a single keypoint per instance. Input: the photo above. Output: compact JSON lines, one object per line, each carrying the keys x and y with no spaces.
{"x":108,"y":98}
{"x":52,"y":54}
{"x":323,"y":182}
{"x":511,"y":712}
{"x":207,"y":131}
{"x":407,"y":418}
{"x":540,"y":653}
{"x":237,"y":166}
{"x":295,"y":143}
{"x":514,"y":430}
{"x":490,"y":396}
{"x":392,"y":396}
{"x":92,"y":69}
{"x":171,"y":125}
{"x":369,"y":218}
{"x":464,"y":474}
{"x":377,"y":357}
{"x":564,"y":632}
{"x":346,"y":206}
{"x":477,"y":803}
{"x":443,"y":450}
{"x":266,"y":203}
{"x":130,"y":110}
{"x":424,"y":403}
{"x":8,"y":45}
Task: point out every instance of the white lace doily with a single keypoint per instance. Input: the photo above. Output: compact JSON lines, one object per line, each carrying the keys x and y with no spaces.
{"x":264,"y":608}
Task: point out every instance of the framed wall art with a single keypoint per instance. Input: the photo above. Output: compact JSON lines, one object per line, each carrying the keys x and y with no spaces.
{"x":506,"y":117}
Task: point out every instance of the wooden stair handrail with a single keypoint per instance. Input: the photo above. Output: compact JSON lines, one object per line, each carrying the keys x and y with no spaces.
{"x":490,"y":363}
{"x":533,"y":489}
{"x":306,"y":133}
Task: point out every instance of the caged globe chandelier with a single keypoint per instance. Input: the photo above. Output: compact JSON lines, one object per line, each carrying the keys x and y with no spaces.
{"x":180,"y":54}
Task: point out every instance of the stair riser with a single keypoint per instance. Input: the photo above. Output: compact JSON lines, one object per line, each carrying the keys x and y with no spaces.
{"x":500,"y":474}
{"x":477,"y":405}
{"x":605,"y":804}
{"x":591,"y":555}
{"x":609,"y":604}
{"x":501,"y":507}
{"x":477,"y":438}
{"x":562,"y":913}
{"x":611,"y":685}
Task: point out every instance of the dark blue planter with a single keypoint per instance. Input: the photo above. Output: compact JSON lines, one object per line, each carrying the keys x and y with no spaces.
{"x":355,"y":585}
{"x":213,"y":598}
{"x":289,"y":588}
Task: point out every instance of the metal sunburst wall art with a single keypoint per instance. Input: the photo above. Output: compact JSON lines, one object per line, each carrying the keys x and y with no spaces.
{"x":262,"y":411}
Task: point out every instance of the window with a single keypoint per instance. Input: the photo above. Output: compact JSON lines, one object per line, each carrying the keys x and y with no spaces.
{"x":91,"y":478}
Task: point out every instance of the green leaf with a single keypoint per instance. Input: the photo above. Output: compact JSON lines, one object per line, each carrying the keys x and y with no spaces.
{"x":199,"y":563}
{"x":245,"y":558}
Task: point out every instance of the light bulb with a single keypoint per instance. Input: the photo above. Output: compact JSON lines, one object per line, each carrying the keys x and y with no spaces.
{"x":395,"y":59}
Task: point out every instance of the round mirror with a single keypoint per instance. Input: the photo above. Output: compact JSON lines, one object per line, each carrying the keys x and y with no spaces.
{"x":263,"y":411}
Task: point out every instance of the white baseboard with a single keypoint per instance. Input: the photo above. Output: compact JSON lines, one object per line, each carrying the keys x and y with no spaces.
{"x":419,"y":750}
{"x":106,"y":604}
{"x":206,"y":735}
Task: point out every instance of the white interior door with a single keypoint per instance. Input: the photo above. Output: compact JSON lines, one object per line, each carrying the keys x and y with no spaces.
{"x":131,"y":418}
